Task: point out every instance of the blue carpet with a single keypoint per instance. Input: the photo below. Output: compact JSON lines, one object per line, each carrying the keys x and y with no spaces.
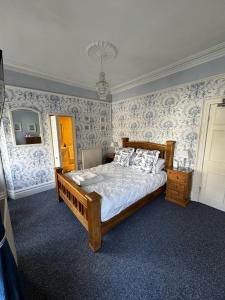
{"x":162,"y":252}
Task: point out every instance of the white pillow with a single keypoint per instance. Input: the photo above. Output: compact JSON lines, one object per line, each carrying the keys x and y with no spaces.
{"x":123,"y":155}
{"x":160,"y":165}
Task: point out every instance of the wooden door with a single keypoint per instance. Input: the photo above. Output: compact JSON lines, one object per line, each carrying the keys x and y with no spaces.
{"x":67,"y":142}
{"x":213,"y":173}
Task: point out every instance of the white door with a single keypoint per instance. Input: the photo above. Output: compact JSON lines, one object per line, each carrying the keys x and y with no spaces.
{"x":56,"y":141}
{"x":213,"y":172}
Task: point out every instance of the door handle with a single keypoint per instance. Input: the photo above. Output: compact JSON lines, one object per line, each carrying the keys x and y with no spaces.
{"x":221,"y":104}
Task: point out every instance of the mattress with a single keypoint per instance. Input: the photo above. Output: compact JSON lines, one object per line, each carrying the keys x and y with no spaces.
{"x":121,"y":187}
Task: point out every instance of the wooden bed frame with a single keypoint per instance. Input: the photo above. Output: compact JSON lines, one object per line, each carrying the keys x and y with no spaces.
{"x":87,"y":207}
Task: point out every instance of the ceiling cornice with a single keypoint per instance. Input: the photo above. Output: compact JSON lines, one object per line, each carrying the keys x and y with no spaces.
{"x":28,"y":70}
{"x":181,"y":65}
{"x":167,"y":89}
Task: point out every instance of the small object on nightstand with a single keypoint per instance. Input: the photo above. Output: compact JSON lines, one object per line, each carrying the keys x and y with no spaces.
{"x":114,"y":146}
{"x":178,"y":186}
{"x":109,"y":157}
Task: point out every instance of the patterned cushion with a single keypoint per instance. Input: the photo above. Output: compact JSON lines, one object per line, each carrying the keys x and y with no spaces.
{"x":138,"y":158}
{"x":146,"y":160}
{"x":123,"y":155}
{"x":140,"y":151}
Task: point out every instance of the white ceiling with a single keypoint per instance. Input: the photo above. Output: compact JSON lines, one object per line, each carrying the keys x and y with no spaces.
{"x":49,"y":37}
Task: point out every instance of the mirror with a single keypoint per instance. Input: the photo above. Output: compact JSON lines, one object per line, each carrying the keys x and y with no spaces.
{"x":26,"y":126}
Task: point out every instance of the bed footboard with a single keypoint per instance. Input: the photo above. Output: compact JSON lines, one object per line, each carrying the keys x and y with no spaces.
{"x":86,"y":207}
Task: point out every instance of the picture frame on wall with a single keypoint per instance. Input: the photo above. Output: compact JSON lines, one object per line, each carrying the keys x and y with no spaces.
{"x":31,"y":127}
{"x":17,"y":126}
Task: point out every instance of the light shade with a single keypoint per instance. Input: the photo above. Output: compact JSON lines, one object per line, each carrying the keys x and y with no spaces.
{"x":101,"y":52}
{"x":102,"y":86}
{"x":114,"y":145}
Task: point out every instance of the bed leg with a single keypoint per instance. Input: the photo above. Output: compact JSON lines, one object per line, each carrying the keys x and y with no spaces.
{"x":60,"y":199}
{"x":58,"y":171}
{"x":94,"y":221}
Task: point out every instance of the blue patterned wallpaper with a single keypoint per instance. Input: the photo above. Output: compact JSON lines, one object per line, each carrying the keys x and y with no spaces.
{"x":172,"y":114}
{"x":27,"y":166}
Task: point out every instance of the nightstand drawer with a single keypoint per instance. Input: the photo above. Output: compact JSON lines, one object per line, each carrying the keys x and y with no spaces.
{"x":171,"y":194}
{"x":109,"y":157}
{"x":176,"y":185}
{"x":175,"y":195}
{"x":175,"y":176}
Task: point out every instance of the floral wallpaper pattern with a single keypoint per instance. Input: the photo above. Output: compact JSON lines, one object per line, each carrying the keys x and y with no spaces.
{"x":172,"y":114}
{"x":27,"y":166}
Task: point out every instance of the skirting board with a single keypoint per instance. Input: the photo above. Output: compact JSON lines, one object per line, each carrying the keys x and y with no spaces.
{"x":31,"y":190}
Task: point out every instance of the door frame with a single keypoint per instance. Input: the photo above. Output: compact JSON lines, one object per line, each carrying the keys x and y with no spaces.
{"x":74,"y":135}
{"x":207,"y":102}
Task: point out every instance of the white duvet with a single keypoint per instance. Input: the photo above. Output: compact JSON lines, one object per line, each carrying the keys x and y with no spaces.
{"x":121,"y":187}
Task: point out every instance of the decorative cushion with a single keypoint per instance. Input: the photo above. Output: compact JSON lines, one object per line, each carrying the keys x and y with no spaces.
{"x":146,"y":160}
{"x":141,"y":151}
{"x":136,"y":161}
{"x":123,"y":155}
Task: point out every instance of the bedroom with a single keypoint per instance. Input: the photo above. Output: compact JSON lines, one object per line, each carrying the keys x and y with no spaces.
{"x":159,"y":71}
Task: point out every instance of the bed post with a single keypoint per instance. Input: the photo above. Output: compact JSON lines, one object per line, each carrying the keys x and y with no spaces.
{"x":58,"y":170}
{"x":124,"y":141}
{"x":169,"y":154}
{"x":94,"y":221}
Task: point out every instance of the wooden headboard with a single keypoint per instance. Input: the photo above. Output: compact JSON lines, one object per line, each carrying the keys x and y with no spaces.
{"x":166,"y":150}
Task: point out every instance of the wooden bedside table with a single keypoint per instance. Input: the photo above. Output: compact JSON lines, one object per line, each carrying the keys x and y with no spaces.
{"x":178,"y":186}
{"x":109,"y":157}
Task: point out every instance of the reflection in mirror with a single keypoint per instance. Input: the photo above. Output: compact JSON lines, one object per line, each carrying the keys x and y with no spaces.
{"x":26,"y":126}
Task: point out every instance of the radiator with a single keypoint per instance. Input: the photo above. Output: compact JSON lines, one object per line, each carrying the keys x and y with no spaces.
{"x":91,"y":157}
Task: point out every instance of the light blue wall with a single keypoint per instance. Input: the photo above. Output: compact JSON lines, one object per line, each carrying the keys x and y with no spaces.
{"x":33,"y":82}
{"x":205,"y":70}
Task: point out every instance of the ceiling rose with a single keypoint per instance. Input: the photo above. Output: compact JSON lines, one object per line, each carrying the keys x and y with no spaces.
{"x":102,"y":50}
